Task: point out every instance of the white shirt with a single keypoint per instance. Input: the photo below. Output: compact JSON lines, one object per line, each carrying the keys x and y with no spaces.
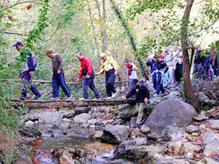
{"x":134,"y":73}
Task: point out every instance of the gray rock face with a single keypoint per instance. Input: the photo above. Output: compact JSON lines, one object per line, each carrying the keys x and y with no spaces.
{"x":192,"y":129}
{"x":214,"y":124}
{"x":200,"y":118}
{"x":203,"y":98}
{"x":171,"y":112}
{"x":82,"y":118}
{"x":132,"y":149}
{"x":127,"y":111}
{"x":50,"y":118}
{"x":29,"y":124}
{"x":115,"y":134}
{"x":170,"y":161}
{"x":173,"y":133}
{"x":207,"y":160}
{"x":80,"y":110}
{"x":211,"y":142}
{"x":29,"y":132}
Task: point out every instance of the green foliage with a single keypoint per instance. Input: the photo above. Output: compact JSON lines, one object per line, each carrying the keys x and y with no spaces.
{"x":154,"y":5}
{"x":146,"y":47}
{"x":8,"y":119}
{"x":42,"y":24}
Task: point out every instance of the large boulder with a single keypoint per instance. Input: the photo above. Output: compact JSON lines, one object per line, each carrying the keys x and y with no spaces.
{"x":115,"y":134}
{"x":171,"y":112}
{"x":29,"y":132}
{"x":82,"y":118}
{"x":127,"y":111}
{"x":132,"y":149}
{"x":50,"y":118}
{"x":80,"y":110}
{"x":211,"y":142}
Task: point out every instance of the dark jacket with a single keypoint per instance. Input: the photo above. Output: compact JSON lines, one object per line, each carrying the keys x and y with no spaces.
{"x":141,"y":92}
{"x":151,"y":63}
{"x":31,"y":62}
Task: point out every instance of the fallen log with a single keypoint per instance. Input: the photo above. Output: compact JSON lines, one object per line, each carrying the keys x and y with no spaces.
{"x":71,"y":104}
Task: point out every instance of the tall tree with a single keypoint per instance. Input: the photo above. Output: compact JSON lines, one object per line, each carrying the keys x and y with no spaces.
{"x":124,"y":24}
{"x":190,"y":96}
{"x":104,"y":35}
{"x":102,"y":21}
{"x":93,"y":29}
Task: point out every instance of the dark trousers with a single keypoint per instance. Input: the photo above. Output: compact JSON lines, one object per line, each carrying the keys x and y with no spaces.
{"x":89,"y":83}
{"x":27,"y":84}
{"x":110,"y":82}
{"x":157,"y":82}
{"x":58,"y":80}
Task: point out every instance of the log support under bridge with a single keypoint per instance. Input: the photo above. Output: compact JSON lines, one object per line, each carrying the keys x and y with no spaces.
{"x":71,"y":104}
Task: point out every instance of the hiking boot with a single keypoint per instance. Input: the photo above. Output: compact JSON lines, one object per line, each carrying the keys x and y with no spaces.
{"x":136,"y":126}
{"x":109,"y":98}
{"x":97,"y":99}
{"x":37,"y":97}
{"x":82,"y":99}
{"x":22,"y":98}
{"x":70,"y":98}
{"x":115,"y":94}
{"x":55,"y":99}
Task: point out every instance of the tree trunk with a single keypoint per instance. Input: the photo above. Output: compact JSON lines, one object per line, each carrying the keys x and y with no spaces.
{"x":102,"y":19}
{"x":104,"y":35}
{"x":93,"y":29}
{"x":189,"y":92}
{"x":130,"y":36}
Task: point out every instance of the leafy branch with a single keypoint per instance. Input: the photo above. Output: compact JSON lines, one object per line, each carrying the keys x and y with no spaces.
{"x":42,"y":24}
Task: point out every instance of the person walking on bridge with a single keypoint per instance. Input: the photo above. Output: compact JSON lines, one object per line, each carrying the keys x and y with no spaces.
{"x":132,"y":72}
{"x":87,"y":71}
{"x":58,"y":79}
{"x":26,"y":76}
{"x":109,"y":69}
{"x":142,"y":96}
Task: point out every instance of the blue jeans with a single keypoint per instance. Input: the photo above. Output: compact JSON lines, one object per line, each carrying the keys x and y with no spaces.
{"x":89,"y":83}
{"x":110,"y":82}
{"x":58,"y":80}
{"x":157,"y":82}
{"x":27,"y":84}
{"x":131,"y":83}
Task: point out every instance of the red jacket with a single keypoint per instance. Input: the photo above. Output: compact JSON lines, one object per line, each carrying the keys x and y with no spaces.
{"x":86,"y":67}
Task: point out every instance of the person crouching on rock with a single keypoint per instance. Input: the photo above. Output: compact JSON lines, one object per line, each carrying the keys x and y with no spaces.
{"x":58,"y":79}
{"x":142,"y":96}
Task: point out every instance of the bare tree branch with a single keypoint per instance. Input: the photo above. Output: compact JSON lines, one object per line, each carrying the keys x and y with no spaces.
{"x":18,"y":3}
{"x":14,"y":33}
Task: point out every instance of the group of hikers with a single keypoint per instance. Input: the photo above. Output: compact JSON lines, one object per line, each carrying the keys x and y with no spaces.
{"x":166,"y":69}
{"x":109,"y":69}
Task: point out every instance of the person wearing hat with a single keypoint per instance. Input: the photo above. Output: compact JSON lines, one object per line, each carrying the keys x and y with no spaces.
{"x":142,"y":96}
{"x":31,"y":64}
{"x":109,"y":69}
{"x":87,"y":71}
{"x":58,"y":78}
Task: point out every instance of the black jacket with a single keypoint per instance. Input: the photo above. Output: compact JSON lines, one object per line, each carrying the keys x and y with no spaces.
{"x":141,"y":92}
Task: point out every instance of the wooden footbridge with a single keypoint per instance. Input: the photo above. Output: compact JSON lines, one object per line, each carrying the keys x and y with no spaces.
{"x":44,"y":102}
{"x":71,"y":104}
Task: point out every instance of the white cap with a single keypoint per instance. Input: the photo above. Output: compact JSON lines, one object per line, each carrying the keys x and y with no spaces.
{"x":151,"y":55}
{"x":102,"y":54}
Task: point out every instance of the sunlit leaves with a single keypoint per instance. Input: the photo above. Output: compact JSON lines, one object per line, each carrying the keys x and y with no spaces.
{"x":42,"y":23}
{"x":154,"y":5}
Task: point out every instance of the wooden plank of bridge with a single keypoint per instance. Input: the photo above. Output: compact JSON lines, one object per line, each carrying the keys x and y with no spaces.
{"x":43,"y":104}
